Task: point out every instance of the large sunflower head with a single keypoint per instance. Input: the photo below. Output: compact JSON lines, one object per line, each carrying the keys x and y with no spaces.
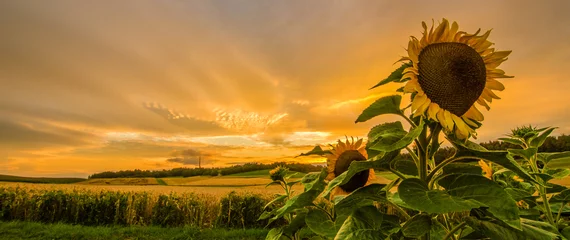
{"x":341,"y":156}
{"x":450,"y":71}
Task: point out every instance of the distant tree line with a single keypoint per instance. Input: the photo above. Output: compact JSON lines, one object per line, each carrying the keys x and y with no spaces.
{"x":552,"y":144}
{"x":190,"y":172}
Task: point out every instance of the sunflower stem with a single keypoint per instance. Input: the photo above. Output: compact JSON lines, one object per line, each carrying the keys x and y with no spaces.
{"x":431,"y":176}
{"x":422,"y":153}
{"x":455,"y":229}
{"x":408,"y":119}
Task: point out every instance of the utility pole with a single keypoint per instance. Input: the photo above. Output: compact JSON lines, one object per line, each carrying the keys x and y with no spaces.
{"x":200,"y":161}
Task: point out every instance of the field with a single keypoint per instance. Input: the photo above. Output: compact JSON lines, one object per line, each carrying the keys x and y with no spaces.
{"x":9,"y":178}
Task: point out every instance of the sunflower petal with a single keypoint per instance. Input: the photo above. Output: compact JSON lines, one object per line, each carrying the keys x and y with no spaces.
{"x":448,"y":120}
{"x":469,"y":121}
{"x":494,"y":84}
{"x":474,"y":114}
{"x":419,"y":99}
{"x":422,"y":109}
{"x":482,"y":102}
{"x":496,"y":56}
{"x":490,"y":93}
{"x":433,"y":110}
{"x":461,"y":126}
{"x":411,"y":86}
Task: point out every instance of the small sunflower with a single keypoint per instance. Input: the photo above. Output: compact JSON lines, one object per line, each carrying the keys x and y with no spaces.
{"x":338,"y":161}
{"x":487,"y":169}
{"x":450,"y":71}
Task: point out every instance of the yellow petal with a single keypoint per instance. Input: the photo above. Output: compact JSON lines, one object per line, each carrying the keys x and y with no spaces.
{"x":421,"y":110}
{"x":452,"y":31}
{"x":419,"y":99}
{"x":490,"y":93}
{"x":474,"y":114}
{"x":460,"y":124}
{"x":433,"y":110}
{"x":496,"y":56}
{"x":482,"y":102}
{"x":438,"y":33}
{"x":448,"y":120}
{"x":494,"y":85}
{"x":411,"y":86}
{"x":469,"y":121}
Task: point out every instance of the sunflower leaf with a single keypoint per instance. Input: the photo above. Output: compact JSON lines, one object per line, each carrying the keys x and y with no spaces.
{"x":361,"y":197}
{"x":513,"y":141}
{"x":563,"y":196}
{"x":395,"y":76}
{"x":527,"y":154}
{"x":498,"y":230}
{"x":559,"y":156}
{"x":417,"y":226}
{"x":384,"y":105}
{"x":502,"y":158}
{"x":558,"y":173}
{"x":368,"y":223}
{"x":538,"y":141}
{"x":320,"y":223}
{"x":416,"y":194}
{"x":485,"y":191}
{"x":395,"y":137}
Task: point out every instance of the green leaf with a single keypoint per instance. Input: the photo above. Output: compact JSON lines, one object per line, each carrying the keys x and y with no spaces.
{"x":566,"y":232}
{"x":387,"y":132}
{"x":395,"y":76}
{"x":361,"y":197}
{"x":498,"y":231}
{"x":368,"y":223}
{"x":390,"y":145}
{"x":517,"y":194}
{"x":547,"y":157}
{"x":563,"y":196}
{"x":417,"y":226}
{"x":464,"y":168}
{"x":297,"y":223}
{"x":499,"y":157}
{"x":405,"y":166}
{"x":554,"y":188}
{"x":527,"y":154}
{"x":274,"y":234}
{"x":314,"y":185}
{"x":359,"y":166}
{"x":317,"y":150}
{"x":485,"y":191}
{"x":384,"y":105}
{"x":415,"y":193}
{"x":514,"y":141}
{"x":320,"y":223}
{"x":315,"y":180}
{"x":538,"y":141}
{"x":277,"y":199}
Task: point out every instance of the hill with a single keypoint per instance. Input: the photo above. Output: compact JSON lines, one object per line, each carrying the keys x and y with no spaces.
{"x":10,"y":178}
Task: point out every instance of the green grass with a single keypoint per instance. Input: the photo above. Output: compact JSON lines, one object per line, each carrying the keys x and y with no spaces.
{"x":263,"y":173}
{"x":160,"y":181}
{"x":36,"y":231}
{"x":10,"y":178}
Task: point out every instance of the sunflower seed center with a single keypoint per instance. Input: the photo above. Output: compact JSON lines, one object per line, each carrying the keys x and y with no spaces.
{"x":342,"y":164}
{"x":453,"y":75}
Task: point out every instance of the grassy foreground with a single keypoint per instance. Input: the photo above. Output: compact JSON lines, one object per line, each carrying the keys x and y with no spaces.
{"x":36,"y":231}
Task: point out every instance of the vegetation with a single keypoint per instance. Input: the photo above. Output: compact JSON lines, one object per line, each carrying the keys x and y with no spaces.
{"x":94,"y":208}
{"x":17,"y":230}
{"x":189,"y":172}
{"x":10,"y":178}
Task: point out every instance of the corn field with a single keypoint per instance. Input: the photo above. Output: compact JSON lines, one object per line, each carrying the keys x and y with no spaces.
{"x":106,"y":207}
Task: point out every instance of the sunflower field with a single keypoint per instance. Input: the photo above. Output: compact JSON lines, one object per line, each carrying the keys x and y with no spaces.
{"x":134,"y":208}
{"x":448,"y":75}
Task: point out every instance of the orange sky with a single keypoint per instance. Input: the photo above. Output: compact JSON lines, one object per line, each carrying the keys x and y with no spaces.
{"x":90,"y":86}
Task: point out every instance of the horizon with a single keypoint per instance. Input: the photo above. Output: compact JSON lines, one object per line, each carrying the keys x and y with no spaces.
{"x":96,"y":86}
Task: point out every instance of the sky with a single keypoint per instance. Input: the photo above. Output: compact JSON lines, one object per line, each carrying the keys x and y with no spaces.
{"x":91,"y":86}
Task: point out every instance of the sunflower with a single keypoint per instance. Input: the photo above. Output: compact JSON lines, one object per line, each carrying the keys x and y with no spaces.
{"x":450,"y":70}
{"x":338,"y":161}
